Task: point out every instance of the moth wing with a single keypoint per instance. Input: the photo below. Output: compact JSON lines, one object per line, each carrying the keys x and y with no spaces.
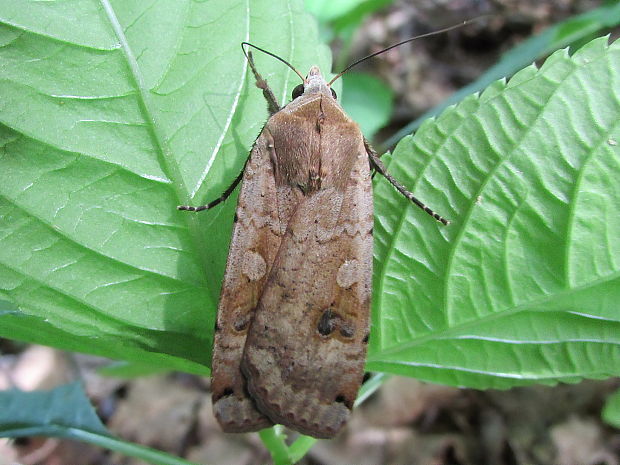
{"x":255,"y":241}
{"x":306,"y":348}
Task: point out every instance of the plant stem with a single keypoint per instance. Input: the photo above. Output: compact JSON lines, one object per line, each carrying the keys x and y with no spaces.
{"x":273,"y":438}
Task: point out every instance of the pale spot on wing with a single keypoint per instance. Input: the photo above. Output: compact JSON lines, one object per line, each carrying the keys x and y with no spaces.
{"x":348,"y":273}
{"x":253,"y":266}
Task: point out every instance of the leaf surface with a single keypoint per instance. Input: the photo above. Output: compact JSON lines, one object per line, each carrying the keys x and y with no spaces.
{"x":112,"y":114}
{"x":524,"y":285}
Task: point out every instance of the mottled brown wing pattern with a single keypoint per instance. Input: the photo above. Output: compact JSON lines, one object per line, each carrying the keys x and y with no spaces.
{"x":293,"y":318}
{"x":305,"y":351}
{"x":256,"y":238}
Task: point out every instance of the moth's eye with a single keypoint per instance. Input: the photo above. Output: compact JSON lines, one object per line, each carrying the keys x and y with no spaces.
{"x":334,"y":94}
{"x":297,"y":91}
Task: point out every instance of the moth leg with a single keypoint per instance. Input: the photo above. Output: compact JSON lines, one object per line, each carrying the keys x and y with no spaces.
{"x":273,"y":107}
{"x":379,"y":167}
{"x":272,"y":102}
{"x":217,"y":201}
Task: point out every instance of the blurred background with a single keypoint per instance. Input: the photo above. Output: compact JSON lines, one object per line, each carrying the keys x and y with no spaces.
{"x":405,"y":422}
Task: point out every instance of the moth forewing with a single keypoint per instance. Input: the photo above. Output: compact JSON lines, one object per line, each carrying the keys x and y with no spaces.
{"x":305,"y":351}
{"x":255,"y":241}
{"x":303,"y":182}
{"x":293,"y":318}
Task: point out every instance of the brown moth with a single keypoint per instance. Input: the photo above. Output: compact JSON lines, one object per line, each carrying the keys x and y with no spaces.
{"x":293,"y":317}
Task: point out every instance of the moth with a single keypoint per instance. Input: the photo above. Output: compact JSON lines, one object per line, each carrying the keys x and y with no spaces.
{"x":293,"y":318}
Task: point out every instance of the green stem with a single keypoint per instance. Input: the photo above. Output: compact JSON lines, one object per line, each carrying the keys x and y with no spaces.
{"x":370,"y":386}
{"x":300,"y":447}
{"x":273,"y":438}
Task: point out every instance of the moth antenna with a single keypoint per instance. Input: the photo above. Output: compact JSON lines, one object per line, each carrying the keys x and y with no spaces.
{"x":421,"y":36}
{"x":270,"y":54}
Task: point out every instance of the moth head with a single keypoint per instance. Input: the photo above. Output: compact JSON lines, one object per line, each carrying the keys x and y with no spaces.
{"x":313,"y":83}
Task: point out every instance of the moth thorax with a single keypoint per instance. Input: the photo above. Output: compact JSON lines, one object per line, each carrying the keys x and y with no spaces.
{"x":315,"y":82}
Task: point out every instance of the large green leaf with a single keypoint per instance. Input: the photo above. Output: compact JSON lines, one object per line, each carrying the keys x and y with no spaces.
{"x":112,"y":114}
{"x":524,"y":286}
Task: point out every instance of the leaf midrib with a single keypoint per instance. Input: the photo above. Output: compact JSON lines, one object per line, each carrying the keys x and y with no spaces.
{"x":166,"y":161}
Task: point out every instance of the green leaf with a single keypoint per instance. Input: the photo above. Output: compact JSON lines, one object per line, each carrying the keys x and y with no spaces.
{"x":325,"y":10}
{"x":274,"y":439}
{"x":611,"y":410}
{"x":346,"y":24}
{"x":62,"y":408}
{"x":367,"y":100}
{"x":66,"y":412}
{"x":524,"y":285}
{"x":344,"y":11}
{"x":342,"y":19}
{"x":111,"y":115}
